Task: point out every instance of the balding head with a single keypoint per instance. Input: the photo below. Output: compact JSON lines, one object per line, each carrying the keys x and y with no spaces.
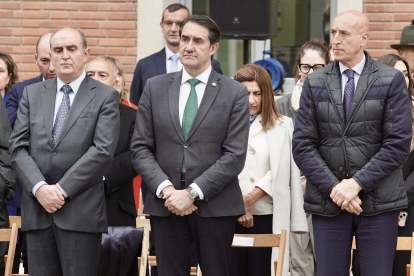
{"x":42,"y":57}
{"x":349,"y":35}
{"x":102,"y":71}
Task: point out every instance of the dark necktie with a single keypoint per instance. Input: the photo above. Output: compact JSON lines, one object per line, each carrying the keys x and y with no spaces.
{"x":62,"y":113}
{"x":349,"y":91}
{"x":190,"y":112}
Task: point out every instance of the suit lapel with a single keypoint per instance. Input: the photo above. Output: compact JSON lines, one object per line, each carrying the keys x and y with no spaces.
{"x":333,"y":83}
{"x":209,"y":95}
{"x":275,"y":148}
{"x":84,"y":95}
{"x":256,"y":126}
{"x":160,"y":62}
{"x":48,"y":97}
{"x":174,"y":102}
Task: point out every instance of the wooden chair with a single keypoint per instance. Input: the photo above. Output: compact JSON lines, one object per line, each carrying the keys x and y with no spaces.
{"x":9,"y":235}
{"x":403,"y":244}
{"x":268,"y":240}
{"x":18,"y":221}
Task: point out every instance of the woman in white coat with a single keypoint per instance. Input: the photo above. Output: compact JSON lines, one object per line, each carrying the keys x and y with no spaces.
{"x":270,"y":181}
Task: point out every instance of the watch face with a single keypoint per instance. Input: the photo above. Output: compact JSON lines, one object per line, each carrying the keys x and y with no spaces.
{"x":193,"y":194}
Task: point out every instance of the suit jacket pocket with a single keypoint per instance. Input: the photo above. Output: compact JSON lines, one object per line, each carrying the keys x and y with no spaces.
{"x":312,"y":195}
{"x":128,"y":207}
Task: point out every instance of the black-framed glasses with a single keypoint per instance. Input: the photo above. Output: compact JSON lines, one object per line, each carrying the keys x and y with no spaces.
{"x":305,"y":68}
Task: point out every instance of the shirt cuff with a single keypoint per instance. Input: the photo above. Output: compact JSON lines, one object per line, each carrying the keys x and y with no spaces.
{"x":198,"y":190}
{"x":163,"y":184}
{"x":37,"y":186}
{"x":63,"y":192}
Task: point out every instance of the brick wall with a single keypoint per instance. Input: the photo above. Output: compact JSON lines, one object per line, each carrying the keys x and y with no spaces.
{"x":387,"y":19}
{"x":109,"y":26}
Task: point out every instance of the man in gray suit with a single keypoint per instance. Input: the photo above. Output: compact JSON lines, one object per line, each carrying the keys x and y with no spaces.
{"x":63,"y":140}
{"x":189,"y":148}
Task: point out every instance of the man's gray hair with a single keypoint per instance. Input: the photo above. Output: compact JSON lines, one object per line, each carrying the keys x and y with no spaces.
{"x":84,"y":43}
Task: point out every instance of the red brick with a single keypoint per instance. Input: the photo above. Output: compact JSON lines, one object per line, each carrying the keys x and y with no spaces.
{"x":88,"y":7}
{"x":5,"y":14}
{"x":128,"y":78}
{"x":30,"y":23}
{"x":59,"y":15}
{"x":9,"y":6}
{"x":5,"y":32}
{"x":6,"y":49}
{"x":26,"y":76}
{"x":57,"y":24}
{"x":403,"y":17}
{"x":132,"y":16}
{"x":118,"y":7}
{"x":378,"y":1}
{"x":381,"y":35}
{"x":60,"y":6}
{"x":24,"y":49}
{"x":375,"y":45}
{"x":92,"y":41}
{"x":11,"y":41}
{"x":117,"y":25}
{"x":28,"y":67}
{"x":404,"y":1}
{"x":32,"y":6}
{"x":399,"y":8}
{"x":87,"y":15}
{"x":116,"y":16}
{"x":376,"y":26}
{"x":395,"y":26}
{"x":117,"y":42}
{"x":88,"y":25}
{"x":29,"y":40}
{"x":94,"y":33}
{"x":98,"y":51}
{"x":381,"y":17}
{"x":127,"y":60}
{"x":29,"y":32}
{"x":9,"y":23}
{"x":89,"y":0}
{"x":116,"y":51}
{"x":28,"y":59}
{"x":30,"y":14}
{"x":129,"y":69}
{"x":378,"y":53}
{"x":374,"y":8}
{"x":397,"y":35}
{"x":116,"y":34}
{"x":16,"y":59}
{"x":132,"y":51}
{"x":132,"y":34}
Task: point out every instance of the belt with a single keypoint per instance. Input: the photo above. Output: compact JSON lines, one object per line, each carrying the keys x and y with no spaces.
{"x":182,"y":177}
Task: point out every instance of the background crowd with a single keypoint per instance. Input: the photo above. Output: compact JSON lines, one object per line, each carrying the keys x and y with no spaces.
{"x":217,"y":156}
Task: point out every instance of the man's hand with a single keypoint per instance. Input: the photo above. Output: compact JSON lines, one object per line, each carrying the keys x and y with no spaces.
{"x":303,"y":181}
{"x":354,"y":206}
{"x":50,"y":197}
{"x":344,"y":192}
{"x":178,"y":201}
{"x":246,"y":220}
{"x":188,"y":211}
{"x":167,"y":191}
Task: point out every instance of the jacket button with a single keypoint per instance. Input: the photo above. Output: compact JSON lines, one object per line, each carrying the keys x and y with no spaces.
{"x":54,"y":153}
{"x":185,"y":146}
{"x":345,"y":138}
{"x":252,"y":179}
{"x":341,"y":169}
{"x":252,"y":151}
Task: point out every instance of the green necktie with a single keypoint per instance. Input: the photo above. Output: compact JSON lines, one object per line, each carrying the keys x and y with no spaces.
{"x":190,"y":112}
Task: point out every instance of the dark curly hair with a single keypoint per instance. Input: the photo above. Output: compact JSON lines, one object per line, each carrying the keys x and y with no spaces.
{"x":11,"y":69}
{"x":320,"y":46}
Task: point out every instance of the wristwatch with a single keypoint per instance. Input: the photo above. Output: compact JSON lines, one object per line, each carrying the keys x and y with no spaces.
{"x":192,"y":193}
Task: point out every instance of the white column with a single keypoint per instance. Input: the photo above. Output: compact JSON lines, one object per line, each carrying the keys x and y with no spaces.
{"x":257,"y":47}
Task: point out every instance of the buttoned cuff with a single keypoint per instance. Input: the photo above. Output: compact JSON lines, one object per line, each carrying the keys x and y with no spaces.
{"x":198,"y":190}
{"x":63,"y":192}
{"x":161,"y":187}
{"x":37,"y":186}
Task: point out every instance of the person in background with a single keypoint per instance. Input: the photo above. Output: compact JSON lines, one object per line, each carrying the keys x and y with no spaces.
{"x":313,"y":55}
{"x":270,"y":180}
{"x":47,"y":71}
{"x":119,"y":193}
{"x":8,"y":76}
{"x":406,"y":47}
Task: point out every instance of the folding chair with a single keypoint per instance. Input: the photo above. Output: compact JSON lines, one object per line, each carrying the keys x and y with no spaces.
{"x":9,"y":235}
{"x":267,"y":240}
{"x":18,"y":221}
{"x":403,"y":244}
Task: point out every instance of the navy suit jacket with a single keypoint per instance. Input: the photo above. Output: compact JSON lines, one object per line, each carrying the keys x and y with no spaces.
{"x":11,"y":106}
{"x":151,"y":66}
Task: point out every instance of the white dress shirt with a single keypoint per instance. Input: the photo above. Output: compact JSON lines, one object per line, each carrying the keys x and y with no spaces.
{"x":185,"y":90}
{"x":169,"y":53}
{"x":357,"y":69}
{"x":59,"y":96}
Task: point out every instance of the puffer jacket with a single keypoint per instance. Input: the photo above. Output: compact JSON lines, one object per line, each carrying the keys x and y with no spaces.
{"x":370,"y":146}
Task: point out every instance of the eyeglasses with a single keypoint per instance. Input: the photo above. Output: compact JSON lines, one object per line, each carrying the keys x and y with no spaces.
{"x":305,"y":68}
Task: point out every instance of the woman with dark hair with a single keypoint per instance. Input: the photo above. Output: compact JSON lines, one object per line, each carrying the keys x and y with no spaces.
{"x":313,"y":55}
{"x":406,"y":221}
{"x":270,"y":180}
{"x":9,"y":75}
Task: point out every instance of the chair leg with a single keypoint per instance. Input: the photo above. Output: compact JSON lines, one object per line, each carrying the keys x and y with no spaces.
{"x":408,"y":269}
{"x":275,"y":267}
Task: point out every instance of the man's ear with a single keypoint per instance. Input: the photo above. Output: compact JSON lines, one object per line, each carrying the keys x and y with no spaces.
{"x":36,"y":58}
{"x":213,"y":48}
{"x":364,"y":38}
{"x":86,"y":55}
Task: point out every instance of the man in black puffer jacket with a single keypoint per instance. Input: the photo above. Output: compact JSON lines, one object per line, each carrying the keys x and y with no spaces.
{"x":352,"y":134}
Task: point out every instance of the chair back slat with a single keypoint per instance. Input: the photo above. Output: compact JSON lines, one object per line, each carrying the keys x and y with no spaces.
{"x":17,"y":220}
{"x":142,"y":223}
{"x":261,"y":240}
{"x":12,"y":239}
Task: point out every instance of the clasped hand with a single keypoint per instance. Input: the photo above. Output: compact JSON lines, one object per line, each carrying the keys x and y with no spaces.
{"x":178,"y":201}
{"x":247,"y":219}
{"x":345,"y":195}
{"x":50,"y":197}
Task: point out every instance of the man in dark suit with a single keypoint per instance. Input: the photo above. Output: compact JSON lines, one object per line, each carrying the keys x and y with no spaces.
{"x":189,"y":146}
{"x":63,"y":141}
{"x":47,"y":71}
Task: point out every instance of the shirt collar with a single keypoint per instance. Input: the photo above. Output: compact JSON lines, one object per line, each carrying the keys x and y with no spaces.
{"x":203,"y":77}
{"x":74,"y":84}
{"x":169,"y":53}
{"x":357,"y":68}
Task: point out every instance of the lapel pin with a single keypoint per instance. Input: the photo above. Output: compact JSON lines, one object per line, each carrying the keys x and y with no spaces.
{"x":214,"y":84}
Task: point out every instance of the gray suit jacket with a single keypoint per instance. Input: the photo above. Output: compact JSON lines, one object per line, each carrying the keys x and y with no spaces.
{"x":214,"y":151}
{"x":284,"y":107}
{"x":77,"y":162}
